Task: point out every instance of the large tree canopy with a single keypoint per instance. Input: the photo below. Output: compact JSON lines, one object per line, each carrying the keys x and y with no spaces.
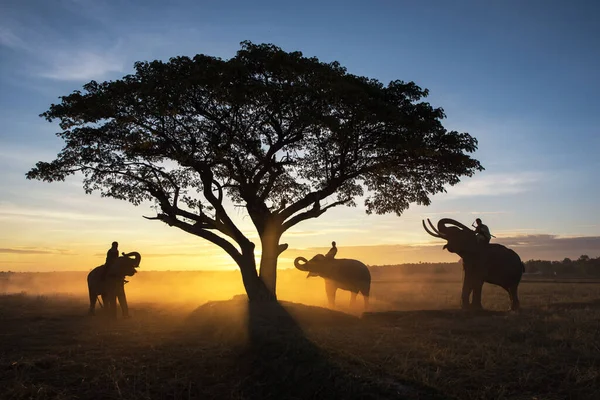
{"x":283,"y":135}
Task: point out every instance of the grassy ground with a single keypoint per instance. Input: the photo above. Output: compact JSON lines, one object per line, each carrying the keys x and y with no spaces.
{"x":415,"y":343}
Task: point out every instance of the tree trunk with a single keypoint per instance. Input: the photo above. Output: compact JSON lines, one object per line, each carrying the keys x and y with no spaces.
{"x":268,"y":261}
{"x":255,"y":287}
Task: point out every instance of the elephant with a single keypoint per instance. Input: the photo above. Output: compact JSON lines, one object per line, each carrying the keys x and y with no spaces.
{"x":111,"y":285}
{"x":482,"y":262}
{"x":339,"y":273}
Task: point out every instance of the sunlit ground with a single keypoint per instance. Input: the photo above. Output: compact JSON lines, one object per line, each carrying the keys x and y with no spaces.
{"x":180,"y":344}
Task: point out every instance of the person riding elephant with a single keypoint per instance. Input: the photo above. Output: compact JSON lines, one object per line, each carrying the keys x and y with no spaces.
{"x":111,"y":255}
{"x":332,"y":252}
{"x":482,"y":232}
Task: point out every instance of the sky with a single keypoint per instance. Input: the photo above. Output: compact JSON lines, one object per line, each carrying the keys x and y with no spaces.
{"x":520,"y":76}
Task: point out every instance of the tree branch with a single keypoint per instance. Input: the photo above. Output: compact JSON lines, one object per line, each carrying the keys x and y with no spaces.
{"x":225,"y":224}
{"x":200,"y":231}
{"x":314,"y":212}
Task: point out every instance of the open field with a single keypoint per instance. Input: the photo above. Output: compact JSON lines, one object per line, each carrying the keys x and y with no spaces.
{"x":415,"y":342}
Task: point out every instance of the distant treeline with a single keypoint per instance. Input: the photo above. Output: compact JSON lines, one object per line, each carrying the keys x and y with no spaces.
{"x":583,"y":266}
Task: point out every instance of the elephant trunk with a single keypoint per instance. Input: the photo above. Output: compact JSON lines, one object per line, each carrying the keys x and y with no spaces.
{"x":301,"y":267}
{"x":137,"y":257}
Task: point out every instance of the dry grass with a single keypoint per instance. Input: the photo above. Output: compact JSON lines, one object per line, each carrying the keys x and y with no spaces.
{"x":415,"y":344}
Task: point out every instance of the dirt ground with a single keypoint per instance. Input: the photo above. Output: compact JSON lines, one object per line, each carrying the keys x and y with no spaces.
{"x":188,"y":339}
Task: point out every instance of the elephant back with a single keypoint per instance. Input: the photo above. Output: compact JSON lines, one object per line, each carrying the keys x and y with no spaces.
{"x":350,"y":274}
{"x":503,"y":265}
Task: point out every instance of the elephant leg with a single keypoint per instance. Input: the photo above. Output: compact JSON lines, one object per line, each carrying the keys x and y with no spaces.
{"x":353,"y":299}
{"x":111,"y":299}
{"x":107,"y":300}
{"x":113,"y":305}
{"x":466,"y":294}
{"x":330,"y":289}
{"x":476,"y":304}
{"x":93,"y":299}
{"x":122,"y":300}
{"x":514,"y":298}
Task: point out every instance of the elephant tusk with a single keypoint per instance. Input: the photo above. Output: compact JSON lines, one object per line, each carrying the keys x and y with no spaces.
{"x":444,"y":221}
{"x":434,"y":229}
{"x":428,"y":231}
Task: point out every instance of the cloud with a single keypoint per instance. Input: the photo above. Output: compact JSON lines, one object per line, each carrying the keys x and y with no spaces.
{"x":431,"y":214}
{"x":51,"y":58}
{"x":495,"y":185}
{"x":35,"y":250}
{"x":488,"y":212}
{"x":17,"y":155}
{"x":9,"y":213}
{"x":162,"y":255}
{"x":325,"y":232}
{"x":81,"y":65}
{"x":539,"y":247}
{"x":9,"y":39}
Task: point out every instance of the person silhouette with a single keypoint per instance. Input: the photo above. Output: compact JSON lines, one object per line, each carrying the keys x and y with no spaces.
{"x":111,"y":255}
{"x":332,"y":252}
{"x":482,"y":232}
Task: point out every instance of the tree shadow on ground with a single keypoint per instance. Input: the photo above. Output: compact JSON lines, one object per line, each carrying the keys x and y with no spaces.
{"x":276,"y":360}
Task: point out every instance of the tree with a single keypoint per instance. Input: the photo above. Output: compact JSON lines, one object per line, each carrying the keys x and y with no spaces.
{"x":285,"y":136}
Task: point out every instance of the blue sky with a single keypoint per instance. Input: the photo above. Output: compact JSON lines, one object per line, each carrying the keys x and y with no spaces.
{"x":520,"y":76}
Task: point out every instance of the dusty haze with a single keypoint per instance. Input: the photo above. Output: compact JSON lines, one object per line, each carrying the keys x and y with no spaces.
{"x":193,"y":288}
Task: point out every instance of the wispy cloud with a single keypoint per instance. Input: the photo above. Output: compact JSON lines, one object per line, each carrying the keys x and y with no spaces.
{"x":81,"y":65}
{"x":19,"y":155}
{"x":325,"y":232}
{"x":544,"y":247}
{"x":496,"y":185}
{"x":161,"y":255}
{"x":35,"y":250}
{"x":488,"y":212}
{"x":431,"y":214}
{"x":8,"y":211}
{"x":71,"y":61}
{"x":9,"y":39}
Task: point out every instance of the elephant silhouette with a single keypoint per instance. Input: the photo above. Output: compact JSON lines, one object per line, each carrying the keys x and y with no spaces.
{"x":111,"y":285}
{"x":492,"y":263}
{"x":339,"y":273}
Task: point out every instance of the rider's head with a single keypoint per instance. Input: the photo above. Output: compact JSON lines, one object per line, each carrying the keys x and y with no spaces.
{"x":478,"y":220}
{"x":333,"y":244}
{"x":115,"y":244}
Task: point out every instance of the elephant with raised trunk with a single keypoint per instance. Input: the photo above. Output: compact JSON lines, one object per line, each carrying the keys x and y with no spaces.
{"x":492,"y":263}
{"x":339,"y":273}
{"x":111,"y":285}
